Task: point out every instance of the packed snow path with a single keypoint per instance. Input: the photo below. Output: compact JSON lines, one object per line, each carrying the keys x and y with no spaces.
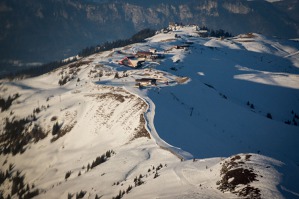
{"x":149,"y":116}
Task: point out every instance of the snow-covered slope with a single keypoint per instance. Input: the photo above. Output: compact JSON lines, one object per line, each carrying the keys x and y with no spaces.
{"x":220,"y":123}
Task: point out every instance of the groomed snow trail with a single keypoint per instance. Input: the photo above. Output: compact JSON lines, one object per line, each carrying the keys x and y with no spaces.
{"x":149,"y":119}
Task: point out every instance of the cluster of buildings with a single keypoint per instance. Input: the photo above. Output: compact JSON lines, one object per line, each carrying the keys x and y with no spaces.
{"x":143,"y":82}
{"x":140,"y":57}
{"x":137,"y":59}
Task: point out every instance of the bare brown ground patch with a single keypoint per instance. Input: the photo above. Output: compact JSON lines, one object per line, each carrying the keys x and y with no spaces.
{"x":141,"y":130}
{"x":234,"y":175}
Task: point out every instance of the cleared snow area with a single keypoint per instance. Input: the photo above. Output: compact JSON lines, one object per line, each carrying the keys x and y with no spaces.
{"x":221,"y":122}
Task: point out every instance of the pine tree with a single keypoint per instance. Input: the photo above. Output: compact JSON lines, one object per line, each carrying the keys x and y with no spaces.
{"x":269,"y":115}
{"x":67,"y":175}
{"x":55,"y":129}
{"x":129,"y":189}
{"x":116,"y":76}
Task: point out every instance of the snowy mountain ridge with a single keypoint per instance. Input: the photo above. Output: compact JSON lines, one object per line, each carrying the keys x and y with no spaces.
{"x":210,"y":118}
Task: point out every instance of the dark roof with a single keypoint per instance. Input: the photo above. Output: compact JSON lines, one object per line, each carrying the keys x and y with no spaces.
{"x":189,"y":42}
{"x":144,"y":53}
{"x":146,"y":80}
{"x":183,"y":46}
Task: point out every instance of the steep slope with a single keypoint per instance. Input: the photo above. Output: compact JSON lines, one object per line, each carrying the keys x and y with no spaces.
{"x":86,"y":130}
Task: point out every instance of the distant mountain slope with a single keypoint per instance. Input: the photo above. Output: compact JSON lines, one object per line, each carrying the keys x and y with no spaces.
{"x":42,"y":31}
{"x":201,"y":118}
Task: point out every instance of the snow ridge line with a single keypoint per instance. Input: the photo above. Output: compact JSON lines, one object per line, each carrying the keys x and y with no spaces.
{"x":149,"y":120}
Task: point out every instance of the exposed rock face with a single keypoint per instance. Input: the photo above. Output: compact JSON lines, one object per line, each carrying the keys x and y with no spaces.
{"x":42,"y":31}
{"x":236,"y":8}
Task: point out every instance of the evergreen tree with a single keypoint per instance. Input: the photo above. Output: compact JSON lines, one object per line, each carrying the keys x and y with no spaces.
{"x":116,"y":76}
{"x":269,"y":115}
{"x":55,"y":129}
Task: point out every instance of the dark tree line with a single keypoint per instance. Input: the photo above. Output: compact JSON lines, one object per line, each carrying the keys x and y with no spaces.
{"x":45,"y":68}
{"x":220,"y":33}
{"x":16,"y":135}
{"x":38,"y":70}
{"x":138,"y":37}
{"x":18,"y":189}
{"x":6,"y":103}
{"x":216,"y":33}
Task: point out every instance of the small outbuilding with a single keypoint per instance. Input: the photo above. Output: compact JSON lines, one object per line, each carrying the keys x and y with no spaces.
{"x":144,"y":54}
{"x":131,"y":62}
{"x":146,"y":81}
{"x":185,"y":46}
{"x":153,"y":50}
{"x":157,"y":56}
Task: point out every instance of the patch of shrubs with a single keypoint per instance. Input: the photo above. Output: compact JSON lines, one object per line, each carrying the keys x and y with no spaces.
{"x":216,"y":33}
{"x":55,"y":128}
{"x":129,"y":189}
{"x":116,"y":76}
{"x":36,"y":133}
{"x":157,"y":169}
{"x":250,"y":105}
{"x":39,"y":109}
{"x":79,"y":195}
{"x":100,"y":159}
{"x":67,"y":175}
{"x":295,"y":119}
{"x":77,"y":64}
{"x":6,"y":103}
{"x":269,"y":116}
{"x":220,"y":33}
{"x":250,"y":192}
{"x":17,"y":134}
{"x":70,"y":196}
{"x":138,"y":181}
{"x":18,"y":188}
{"x":58,"y":131}
{"x":120,"y":194}
{"x":64,"y":80}
{"x":234,"y":176}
